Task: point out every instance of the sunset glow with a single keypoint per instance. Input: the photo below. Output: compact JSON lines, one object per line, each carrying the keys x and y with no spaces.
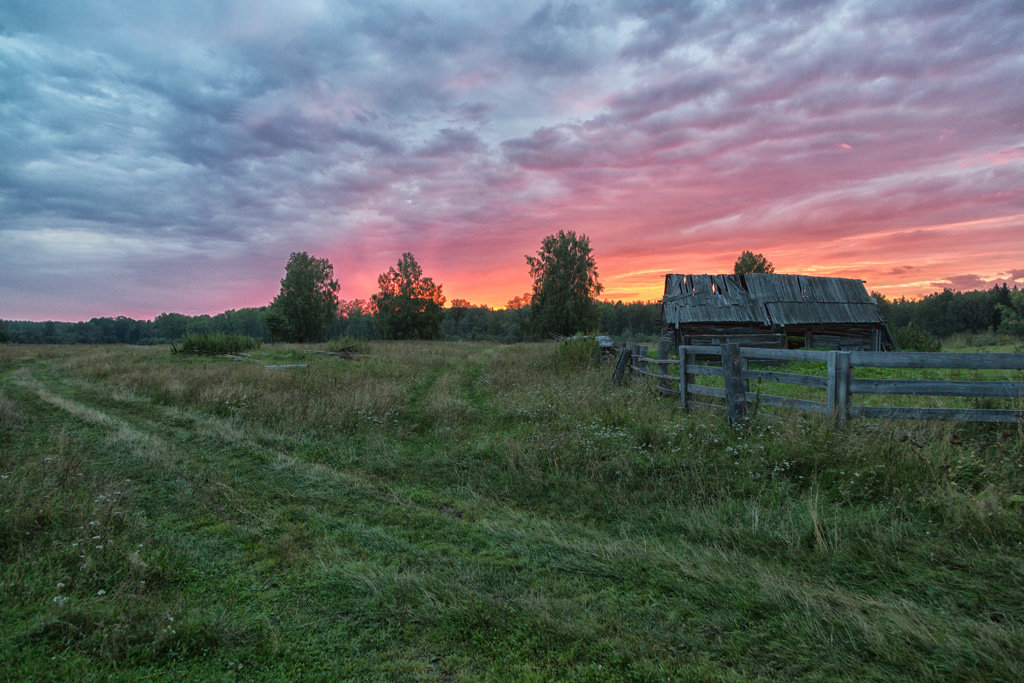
{"x":171,"y":159}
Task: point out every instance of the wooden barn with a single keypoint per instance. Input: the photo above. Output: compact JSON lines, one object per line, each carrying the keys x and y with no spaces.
{"x":758,"y":309}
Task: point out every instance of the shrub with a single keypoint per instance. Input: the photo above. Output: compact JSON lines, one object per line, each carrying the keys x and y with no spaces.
{"x":346,"y":344}
{"x":913,"y":338}
{"x":577,"y":352}
{"x":214,"y":344}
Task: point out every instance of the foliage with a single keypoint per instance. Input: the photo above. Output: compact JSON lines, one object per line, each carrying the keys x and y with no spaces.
{"x":458,"y":511}
{"x":214,"y":344}
{"x":1010,"y":321}
{"x":408,"y":305}
{"x":517,"y":303}
{"x":577,"y":352}
{"x":913,"y":338}
{"x":355,"y":319}
{"x":565,"y":285}
{"x":308,"y":301}
{"x":5,"y":332}
{"x":346,"y":344}
{"x":636,"y":320}
{"x":749,"y":262}
{"x":950,"y":312}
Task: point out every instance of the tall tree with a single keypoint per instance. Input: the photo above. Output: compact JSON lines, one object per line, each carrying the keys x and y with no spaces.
{"x":308,"y":301}
{"x":749,"y":262}
{"x":565,"y":285}
{"x":408,"y":305}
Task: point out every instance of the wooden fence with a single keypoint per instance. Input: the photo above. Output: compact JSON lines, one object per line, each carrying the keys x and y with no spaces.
{"x":839,"y":382}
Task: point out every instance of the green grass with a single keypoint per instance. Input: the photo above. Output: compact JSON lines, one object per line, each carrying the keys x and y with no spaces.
{"x":465,"y":511}
{"x":214,"y":344}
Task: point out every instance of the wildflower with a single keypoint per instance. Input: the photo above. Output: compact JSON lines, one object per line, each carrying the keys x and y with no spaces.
{"x":101,"y":592}
{"x":59,"y":600}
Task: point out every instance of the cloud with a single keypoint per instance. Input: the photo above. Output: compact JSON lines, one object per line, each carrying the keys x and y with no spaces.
{"x":961,"y":282}
{"x":835,"y":137}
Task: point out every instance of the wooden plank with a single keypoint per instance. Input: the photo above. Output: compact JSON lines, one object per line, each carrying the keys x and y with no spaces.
{"x":684,"y":363}
{"x":918,"y":387}
{"x":620,"y":366}
{"x":786,"y":402}
{"x":914,"y":359}
{"x":703,"y":349}
{"x":839,"y":390}
{"x":717,"y":392}
{"x":735,"y":395}
{"x":667,"y":391}
{"x":661,"y":377}
{"x":960,"y":414}
{"x":786,"y":355}
{"x":787,"y":378}
{"x":715,"y":370}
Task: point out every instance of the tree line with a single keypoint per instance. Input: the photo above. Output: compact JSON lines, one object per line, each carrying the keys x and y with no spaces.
{"x":410,"y":305}
{"x":461,"y":321}
{"x":942,"y":314}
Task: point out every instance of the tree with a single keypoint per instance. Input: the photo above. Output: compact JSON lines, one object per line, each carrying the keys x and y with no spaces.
{"x":565,"y":285}
{"x":408,"y":305}
{"x":518,"y":303}
{"x":356,"y":319}
{"x":749,"y":262}
{"x":308,"y":301}
{"x":5,"y":332}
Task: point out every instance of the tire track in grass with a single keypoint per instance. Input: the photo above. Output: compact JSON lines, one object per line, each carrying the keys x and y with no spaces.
{"x":411,"y":561}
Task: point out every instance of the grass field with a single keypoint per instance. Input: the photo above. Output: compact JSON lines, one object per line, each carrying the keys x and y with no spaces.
{"x":464,"y":511}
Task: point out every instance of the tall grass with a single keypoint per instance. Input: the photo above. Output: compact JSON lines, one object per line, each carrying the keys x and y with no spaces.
{"x":470,"y":511}
{"x":213,"y":344}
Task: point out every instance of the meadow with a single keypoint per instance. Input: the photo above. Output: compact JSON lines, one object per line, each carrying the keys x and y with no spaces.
{"x":475,"y":511}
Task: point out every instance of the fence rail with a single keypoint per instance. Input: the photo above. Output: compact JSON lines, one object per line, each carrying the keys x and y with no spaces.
{"x":839,"y":383}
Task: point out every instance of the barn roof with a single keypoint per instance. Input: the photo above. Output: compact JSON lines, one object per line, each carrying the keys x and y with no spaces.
{"x":768,"y":300}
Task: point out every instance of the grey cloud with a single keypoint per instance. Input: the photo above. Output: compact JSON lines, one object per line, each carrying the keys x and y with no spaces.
{"x":963,"y":282}
{"x":449,"y":141}
{"x":302,"y":125}
{"x":555,"y":40}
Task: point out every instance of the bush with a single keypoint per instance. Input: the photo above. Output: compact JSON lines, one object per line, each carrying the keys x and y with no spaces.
{"x":578,"y":352}
{"x":346,"y":344}
{"x":214,"y":344}
{"x":913,"y":338}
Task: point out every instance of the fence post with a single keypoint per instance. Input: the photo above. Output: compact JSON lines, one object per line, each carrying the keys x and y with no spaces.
{"x":735,"y":396}
{"x":839,"y":385}
{"x":683,"y":368}
{"x":633,"y":355}
{"x":620,"y":366}
{"x":643,"y":358}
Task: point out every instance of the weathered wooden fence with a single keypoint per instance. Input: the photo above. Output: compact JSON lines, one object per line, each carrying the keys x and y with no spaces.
{"x":839,"y":382}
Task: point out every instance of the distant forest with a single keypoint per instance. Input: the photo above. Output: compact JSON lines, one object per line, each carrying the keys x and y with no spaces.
{"x":463,"y":322}
{"x":999,"y":309}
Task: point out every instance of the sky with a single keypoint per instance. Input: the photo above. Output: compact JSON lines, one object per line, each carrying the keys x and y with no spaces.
{"x":169,"y":156}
